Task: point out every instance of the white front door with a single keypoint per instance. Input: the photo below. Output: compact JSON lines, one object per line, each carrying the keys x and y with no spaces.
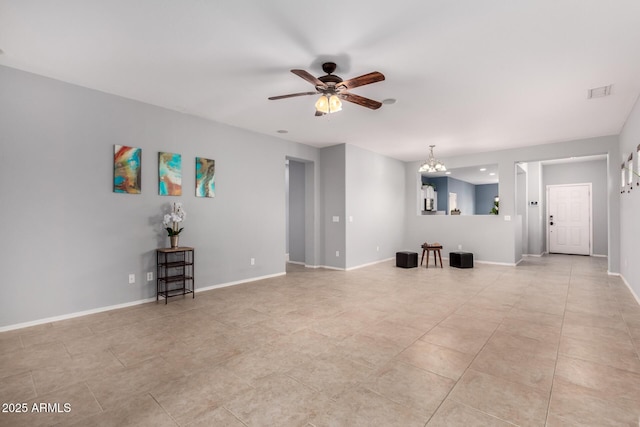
{"x":569,"y":218}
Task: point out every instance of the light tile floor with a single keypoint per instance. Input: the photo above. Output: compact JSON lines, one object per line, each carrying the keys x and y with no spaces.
{"x":553,"y":342}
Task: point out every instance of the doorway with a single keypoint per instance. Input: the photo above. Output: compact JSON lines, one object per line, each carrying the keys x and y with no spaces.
{"x":569,"y":219}
{"x":296,"y":232}
{"x":521,"y":204}
{"x":453,"y":202}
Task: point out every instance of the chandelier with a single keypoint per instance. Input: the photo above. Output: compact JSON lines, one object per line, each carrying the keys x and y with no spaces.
{"x":432,"y":165}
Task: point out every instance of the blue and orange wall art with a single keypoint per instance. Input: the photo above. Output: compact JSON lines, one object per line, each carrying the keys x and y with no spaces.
{"x":205,"y":177}
{"x":127,"y":169}
{"x":169,"y":174}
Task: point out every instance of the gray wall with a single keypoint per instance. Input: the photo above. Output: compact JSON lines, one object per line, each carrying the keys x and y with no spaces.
{"x":522,"y":204}
{"x":594,"y":172}
{"x":630,"y":203}
{"x":537,"y":241}
{"x":296,"y":211}
{"x":73,"y":241}
{"x":333,"y":205}
{"x":375,"y":203}
{"x":465,"y":195}
{"x":485,"y":195}
{"x":286,"y":204}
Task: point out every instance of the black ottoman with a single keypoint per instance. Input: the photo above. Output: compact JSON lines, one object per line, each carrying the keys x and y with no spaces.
{"x":406,"y":259}
{"x":461,"y":259}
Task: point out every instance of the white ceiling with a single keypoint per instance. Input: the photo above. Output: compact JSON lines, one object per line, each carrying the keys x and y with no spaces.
{"x":468,"y":75}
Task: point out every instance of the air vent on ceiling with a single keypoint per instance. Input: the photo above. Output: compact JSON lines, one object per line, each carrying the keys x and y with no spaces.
{"x":599,"y":92}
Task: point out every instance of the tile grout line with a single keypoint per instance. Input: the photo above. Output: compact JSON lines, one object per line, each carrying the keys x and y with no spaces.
{"x":555,"y":366}
{"x":626,"y":326}
{"x":415,"y":341}
{"x":94,"y":396}
{"x":472,"y":360}
{"x":163,"y":408}
{"x":233,"y":415}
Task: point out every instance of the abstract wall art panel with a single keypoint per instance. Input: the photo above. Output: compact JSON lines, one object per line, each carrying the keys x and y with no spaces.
{"x":169,"y":174}
{"x":126,"y":169}
{"x":205,"y":177}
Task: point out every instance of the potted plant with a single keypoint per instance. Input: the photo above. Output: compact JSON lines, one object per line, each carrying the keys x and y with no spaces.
{"x":172,"y":223}
{"x":496,"y":207}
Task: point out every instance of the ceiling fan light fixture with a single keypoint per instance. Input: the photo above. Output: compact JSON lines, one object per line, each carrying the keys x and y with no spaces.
{"x":328,"y":104}
{"x":335,"y":104}
{"x":322,"y":104}
{"x":432,"y":165}
{"x":333,"y":89}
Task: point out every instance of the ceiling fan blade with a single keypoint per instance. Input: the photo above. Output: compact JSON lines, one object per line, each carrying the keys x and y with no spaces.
{"x":308,"y":77}
{"x":363,"y":80}
{"x":360,"y":100}
{"x":291,"y":95}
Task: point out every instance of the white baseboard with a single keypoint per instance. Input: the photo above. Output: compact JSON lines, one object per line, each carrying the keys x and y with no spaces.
{"x":370,"y":263}
{"x":599,"y":256}
{"x":534,"y":255}
{"x":73,"y":315}
{"x":124,"y":305}
{"x":329,"y":267}
{"x":507,"y":264}
{"x":238,"y":282}
{"x":630,"y":288}
{"x":479,"y":261}
{"x":296,"y":262}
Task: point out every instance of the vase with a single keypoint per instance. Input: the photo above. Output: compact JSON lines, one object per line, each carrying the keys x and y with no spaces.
{"x":174,"y":240}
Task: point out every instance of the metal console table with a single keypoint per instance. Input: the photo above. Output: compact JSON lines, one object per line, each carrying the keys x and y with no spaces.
{"x":174,"y":272}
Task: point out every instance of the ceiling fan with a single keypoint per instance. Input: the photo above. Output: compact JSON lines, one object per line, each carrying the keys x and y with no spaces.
{"x":333,"y":89}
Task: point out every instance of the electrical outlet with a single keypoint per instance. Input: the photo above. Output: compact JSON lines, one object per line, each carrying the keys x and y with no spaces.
{"x":377,"y":248}
{"x":507,"y":217}
{"x":253,"y":261}
{"x":336,"y":219}
{"x":132,"y":279}
{"x":149,"y":276}
{"x":337,"y":253}
{"x":459,"y":247}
